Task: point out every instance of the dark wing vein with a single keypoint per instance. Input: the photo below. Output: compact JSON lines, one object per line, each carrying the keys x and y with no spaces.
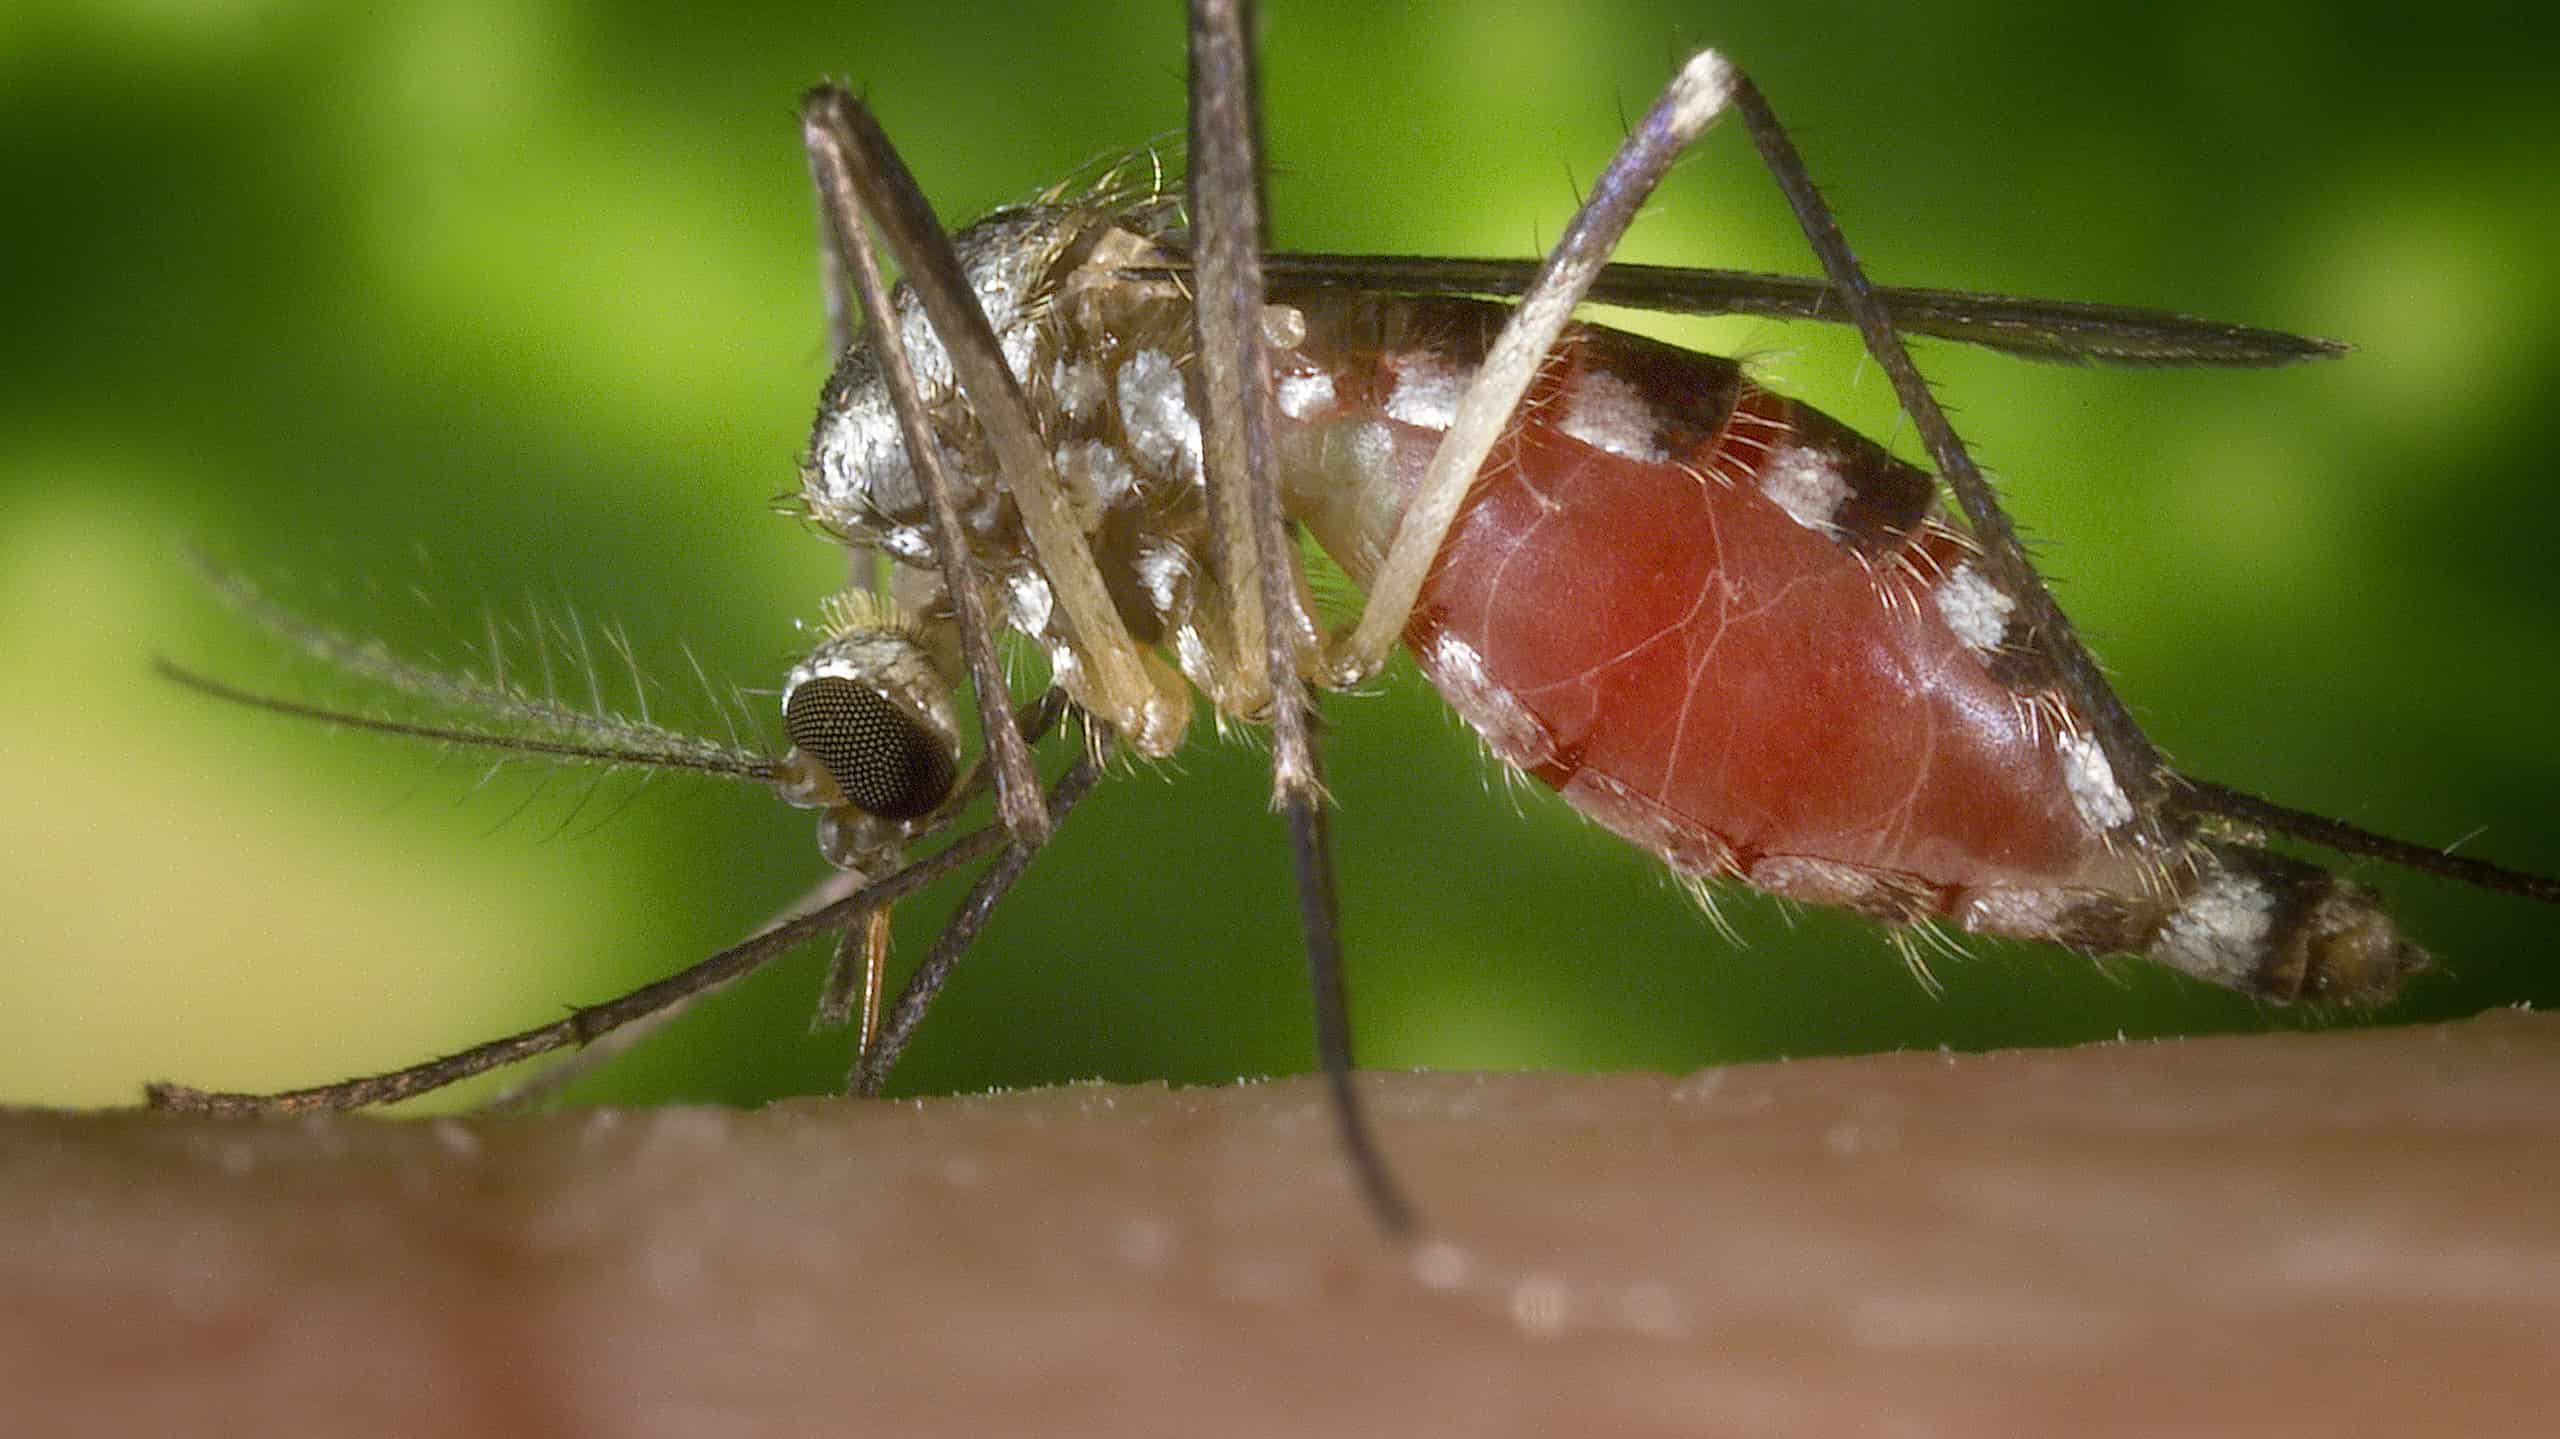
{"x":2074,"y":332}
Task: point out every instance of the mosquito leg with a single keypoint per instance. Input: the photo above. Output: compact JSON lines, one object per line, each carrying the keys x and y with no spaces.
{"x":867,"y":936}
{"x":1226,"y":220}
{"x":836,"y":283}
{"x":876,"y":1059}
{"x":1319,"y":913}
{"x":854,"y":975}
{"x":2206,"y":797}
{"x":861,"y":959}
{"x":589,"y":1024}
{"x":1696,"y":96}
{"x":837,"y":287}
{"x":860,"y":178}
{"x":1258,"y":562}
{"x":880,"y":1051}
{"x":604,"y":1049}
{"x":2137,"y":766}
{"x":840,"y":201}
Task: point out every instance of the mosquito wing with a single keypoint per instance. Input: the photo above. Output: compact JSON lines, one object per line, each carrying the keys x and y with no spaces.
{"x":2070,"y":332}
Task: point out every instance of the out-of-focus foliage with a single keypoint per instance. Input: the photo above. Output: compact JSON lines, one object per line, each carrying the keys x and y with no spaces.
{"x":416,"y":312}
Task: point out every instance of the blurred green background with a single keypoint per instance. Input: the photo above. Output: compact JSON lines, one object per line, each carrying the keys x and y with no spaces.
{"x":411,"y":309}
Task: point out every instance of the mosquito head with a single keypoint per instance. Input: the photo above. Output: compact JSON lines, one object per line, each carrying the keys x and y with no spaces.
{"x":874,"y":742}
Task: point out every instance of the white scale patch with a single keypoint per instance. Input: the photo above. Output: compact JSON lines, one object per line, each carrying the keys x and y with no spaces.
{"x":2016,"y":912}
{"x":912,"y":544}
{"x":2221,"y":930}
{"x":1427,"y":391}
{"x":1974,"y":608}
{"x":1078,"y":387}
{"x":1373,"y":450}
{"x":1027,"y":601}
{"x":925,"y":355}
{"x":1097,"y":478}
{"x":1021,"y":346}
{"x":1157,"y":415}
{"x":1507,"y":726}
{"x":858,"y":463}
{"x":1806,"y":485}
{"x":1819,"y":881}
{"x":1302,"y":393}
{"x":992,"y":279}
{"x":1607,"y":413}
{"x":2092,"y":781}
{"x":1164,"y":571}
{"x":1192,"y":655}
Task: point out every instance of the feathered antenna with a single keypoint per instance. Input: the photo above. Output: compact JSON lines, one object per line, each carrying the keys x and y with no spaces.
{"x":494,"y":713}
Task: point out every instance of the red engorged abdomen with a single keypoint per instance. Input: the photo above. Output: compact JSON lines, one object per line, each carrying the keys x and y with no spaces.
{"x":1685,"y":660}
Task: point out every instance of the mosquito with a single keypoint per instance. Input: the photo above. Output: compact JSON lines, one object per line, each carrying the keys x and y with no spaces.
{"x":1716,"y":621}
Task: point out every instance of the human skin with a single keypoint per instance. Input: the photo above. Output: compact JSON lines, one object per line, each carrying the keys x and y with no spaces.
{"x":2314,"y":1233}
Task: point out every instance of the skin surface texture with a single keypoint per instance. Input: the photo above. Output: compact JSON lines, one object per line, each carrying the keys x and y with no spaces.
{"x":2336,"y":1234}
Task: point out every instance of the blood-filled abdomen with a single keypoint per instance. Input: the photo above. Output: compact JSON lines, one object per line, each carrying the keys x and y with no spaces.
{"x":1737,"y":633}
{"x":1726,"y":627}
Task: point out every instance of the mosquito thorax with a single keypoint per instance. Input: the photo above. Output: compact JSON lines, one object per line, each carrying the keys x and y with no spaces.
{"x":1098,"y":334}
{"x":875,"y":742}
{"x":1048,"y":279}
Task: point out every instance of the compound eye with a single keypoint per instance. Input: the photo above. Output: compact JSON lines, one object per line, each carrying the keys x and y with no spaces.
{"x":880,"y":756}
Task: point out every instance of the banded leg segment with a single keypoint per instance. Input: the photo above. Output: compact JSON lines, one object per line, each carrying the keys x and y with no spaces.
{"x":1258,"y":561}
